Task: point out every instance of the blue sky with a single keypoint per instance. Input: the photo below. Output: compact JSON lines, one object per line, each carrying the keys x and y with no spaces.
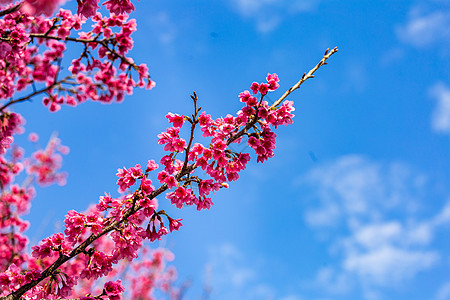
{"x":356,"y":202}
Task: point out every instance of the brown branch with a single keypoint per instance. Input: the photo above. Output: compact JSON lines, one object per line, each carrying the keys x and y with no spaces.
{"x":11,"y":9}
{"x":103,"y":42}
{"x":25,"y":98}
{"x":52,"y":37}
{"x":306,"y":76}
{"x":194,"y":122}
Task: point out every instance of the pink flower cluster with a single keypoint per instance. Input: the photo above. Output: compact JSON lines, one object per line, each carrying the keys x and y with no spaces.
{"x":143,"y":277}
{"x":9,"y":125}
{"x":14,"y":277}
{"x":37,"y":7}
{"x":128,"y":177}
{"x":44,"y":164}
{"x":88,"y":8}
{"x":14,"y":202}
{"x":55,"y":243}
{"x":150,"y":272}
{"x":9,"y":168}
{"x":32,"y":48}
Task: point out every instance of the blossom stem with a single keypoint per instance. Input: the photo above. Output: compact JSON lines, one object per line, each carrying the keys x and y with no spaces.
{"x":306,"y":76}
{"x":28,"y":97}
{"x":11,"y":9}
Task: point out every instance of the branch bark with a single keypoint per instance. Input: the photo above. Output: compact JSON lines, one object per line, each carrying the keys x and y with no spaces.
{"x":11,"y":9}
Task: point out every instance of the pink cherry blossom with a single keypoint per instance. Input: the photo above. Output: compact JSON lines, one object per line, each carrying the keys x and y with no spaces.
{"x":175,"y":119}
{"x":87,"y":8}
{"x":119,"y":6}
{"x":114,"y":289}
{"x":255,"y":87}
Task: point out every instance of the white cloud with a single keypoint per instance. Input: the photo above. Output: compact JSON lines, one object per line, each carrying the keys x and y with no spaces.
{"x":268,"y":14}
{"x":355,"y":187}
{"x":326,"y":216}
{"x":227,"y":261}
{"x":443,"y":217}
{"x":376,"y":235}
{"x":268,"y":25}
{"x":250,"y":7}
{"x":332,"y":281}
{"x":370,"y":210}
{"x":164,"y":27}
{"x":425,"y":29}
{"x":291,"y":297}
{"x":235,"y":275}
{"x":440,"y":121}
{"x":387,"y":264}
{"x":444,"y":292}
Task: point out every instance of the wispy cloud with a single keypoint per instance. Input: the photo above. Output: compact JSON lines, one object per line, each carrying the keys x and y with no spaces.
{"x":440,"y":121}
{"x":387,"y":265}
{"x":268,"y":14}
{"x":354,"y":187}
{"x":236,"y":275}
{"x":164,"y":27}
{"x":425,"y":28}
{"x":444,"y":292}
{"x":228,"y":261}
{"x":371,"y":210}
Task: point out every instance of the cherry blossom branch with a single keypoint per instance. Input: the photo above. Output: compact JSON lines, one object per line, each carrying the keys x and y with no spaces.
{"x":193,"y":122}
{"x":11,"y":9}
{"x":103,"y":42}
{"x":52,"y":37}
{"x":306,"y":76}
{"x":28,"y":97}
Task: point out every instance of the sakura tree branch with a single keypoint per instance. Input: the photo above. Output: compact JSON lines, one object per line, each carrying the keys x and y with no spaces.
{"x":193,"y":122}
{"x":306,"y":76}
{"x":28,"y":97}
{"x":11,"y":9}
{"x":52,"y":37}
{"x":103,"y":42}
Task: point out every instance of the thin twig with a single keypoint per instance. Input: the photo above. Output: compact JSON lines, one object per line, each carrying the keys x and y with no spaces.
{"x":306,"y":76}
{"x":11,"y":9}
{"x":52,"y":37}
{"x":193,"y":124}
{"x":103,"y":42}
{"x":25,"y":98}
